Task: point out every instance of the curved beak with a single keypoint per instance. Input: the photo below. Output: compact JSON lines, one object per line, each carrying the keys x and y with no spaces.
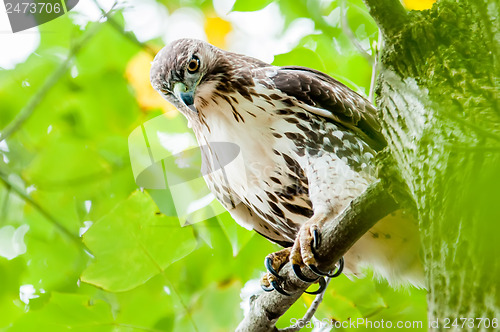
{"x":187,"y":96}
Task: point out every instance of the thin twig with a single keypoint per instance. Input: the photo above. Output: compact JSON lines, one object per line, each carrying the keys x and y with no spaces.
{"x":347,"y":30}
{"x":128,"y":35}
{"x":310,"y":312}
{"x":5,"y":206}
{"x":371,"y":96}
{"x":181,"y":301}
{"x":58,"y":184}
{"x":4,"y":178}
{"x":28,"y":110}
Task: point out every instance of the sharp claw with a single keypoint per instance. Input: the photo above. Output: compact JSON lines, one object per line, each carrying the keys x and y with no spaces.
{"x":268,"y":262}
{"x":278,"y":288}
{"x":339,"y":269}
{"x":266,"y":289}
{"x":300,"y":275}
{"x":321,"y":289}
{"x":326,"y":274}
{"x":316,"y":239}
{"x":313,"y":268}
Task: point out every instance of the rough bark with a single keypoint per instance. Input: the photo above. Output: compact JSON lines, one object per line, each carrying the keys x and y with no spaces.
{"x":438,"y":95}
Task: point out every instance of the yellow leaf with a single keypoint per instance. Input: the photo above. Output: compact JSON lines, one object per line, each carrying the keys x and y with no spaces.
{"x":217,"y":29}
{"x":418,"y":4}
{"x":137,"y":74}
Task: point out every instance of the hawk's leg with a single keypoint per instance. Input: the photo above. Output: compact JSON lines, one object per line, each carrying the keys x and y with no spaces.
{"x":302,"y":252}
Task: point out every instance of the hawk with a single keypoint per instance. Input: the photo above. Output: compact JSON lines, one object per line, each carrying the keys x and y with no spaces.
{"x":308,"y":143}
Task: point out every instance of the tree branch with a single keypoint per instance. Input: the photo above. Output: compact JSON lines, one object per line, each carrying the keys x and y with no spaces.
{"x":59,"y":225}
{"x":348,"y":32}
{"x":337,"y":237}
{"x":390,"y":15}
{"x":128,"y":35}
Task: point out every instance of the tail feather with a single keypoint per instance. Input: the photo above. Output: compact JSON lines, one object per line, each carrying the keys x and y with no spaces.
{"x":392,"y":249}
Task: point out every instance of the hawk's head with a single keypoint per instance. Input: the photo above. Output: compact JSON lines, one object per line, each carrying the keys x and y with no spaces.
{"x":180,"y":68}
{"x":188,"y":68}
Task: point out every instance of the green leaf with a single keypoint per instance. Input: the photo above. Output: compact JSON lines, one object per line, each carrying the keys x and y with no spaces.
{"x":370,"y":299}
{"x":300,"y":56}
{"x":403,"y":304}
{"x":68,"y":312}
{"x":250,"y":6}
{"x":216,"y":299}
{"x":361,"y":292}
{"x":132,"y":244}
{"x":47,"y":254}
{"x":63,"y":161}
{"x":151,"y":304}
{"x":10,"y":305}
{"x":237,"y":235}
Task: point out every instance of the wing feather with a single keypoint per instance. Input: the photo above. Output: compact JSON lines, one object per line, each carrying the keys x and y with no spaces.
{"x":331,"y":99}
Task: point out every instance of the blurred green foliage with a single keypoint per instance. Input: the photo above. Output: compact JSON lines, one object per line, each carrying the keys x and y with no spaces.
{"x":135,"y":269}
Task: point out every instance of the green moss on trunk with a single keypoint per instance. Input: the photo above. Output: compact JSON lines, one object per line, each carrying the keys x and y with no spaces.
{"x":439,"y":100}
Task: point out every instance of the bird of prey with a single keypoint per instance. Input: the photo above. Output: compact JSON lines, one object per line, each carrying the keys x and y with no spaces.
{"x":308,"y":143}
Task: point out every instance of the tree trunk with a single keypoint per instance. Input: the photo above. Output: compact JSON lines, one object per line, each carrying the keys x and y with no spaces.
{"x":439,"y":100}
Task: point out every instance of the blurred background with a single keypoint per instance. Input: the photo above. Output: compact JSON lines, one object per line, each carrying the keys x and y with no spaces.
{"x":82,"y":248}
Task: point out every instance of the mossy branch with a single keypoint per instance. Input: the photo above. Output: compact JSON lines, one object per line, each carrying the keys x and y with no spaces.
{"x":390,"y":15}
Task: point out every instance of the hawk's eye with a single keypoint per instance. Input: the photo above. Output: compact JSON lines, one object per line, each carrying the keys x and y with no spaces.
{"x":193,"y":65}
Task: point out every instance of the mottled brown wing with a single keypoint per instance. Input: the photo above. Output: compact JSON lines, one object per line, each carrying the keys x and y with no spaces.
{"x":333,"y":100}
